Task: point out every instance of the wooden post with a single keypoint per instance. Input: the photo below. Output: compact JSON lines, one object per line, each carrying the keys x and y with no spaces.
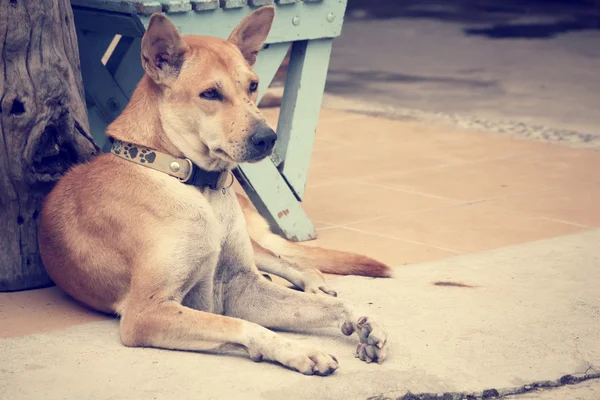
{"x":44,"y":127}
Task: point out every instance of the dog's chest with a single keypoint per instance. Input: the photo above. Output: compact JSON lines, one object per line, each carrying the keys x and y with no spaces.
{"x":226,"y":213}
{"x":226,"y":225}
{"x":224,"y":231}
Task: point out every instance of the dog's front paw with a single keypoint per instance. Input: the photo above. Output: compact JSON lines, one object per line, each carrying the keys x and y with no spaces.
{"x":373,"y":346}
{"x":294,"y":356}
{"x":314,"y":363}
{"x":306,"y":361}
{"x":313,"y":282}
{"x":319,"y":288}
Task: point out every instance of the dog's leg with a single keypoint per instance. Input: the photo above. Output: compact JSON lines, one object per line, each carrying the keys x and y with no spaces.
{"x":309,"y":280}
{"x":152,"y":315}
{"x":168,"y":324}
{"x":249,"y":297}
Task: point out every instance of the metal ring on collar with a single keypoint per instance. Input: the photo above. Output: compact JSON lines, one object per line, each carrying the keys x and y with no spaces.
{"x":224,"y":188}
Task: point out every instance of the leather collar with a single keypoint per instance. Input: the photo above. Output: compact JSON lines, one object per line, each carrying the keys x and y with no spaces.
{"x":181,"y":168}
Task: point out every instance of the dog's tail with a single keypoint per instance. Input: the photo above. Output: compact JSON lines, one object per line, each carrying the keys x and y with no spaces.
{"x":325,"y":260}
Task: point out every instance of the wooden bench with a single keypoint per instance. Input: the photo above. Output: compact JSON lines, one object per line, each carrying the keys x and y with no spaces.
{"x":276,"y":186}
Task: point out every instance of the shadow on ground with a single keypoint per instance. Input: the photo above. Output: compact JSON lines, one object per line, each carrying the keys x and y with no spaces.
{"x":495,"y":19}
{"x":346,"y":81}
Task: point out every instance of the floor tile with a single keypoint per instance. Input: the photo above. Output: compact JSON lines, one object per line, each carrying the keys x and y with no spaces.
{"x":469,"y":228}
{"x":495,"y":178}
{"x":42,"y":310}
{"x":344,"y":202}
{"x":579,"y":203}
{"x":390,"y":251}
{"x":343,"y":163}
{"x":393,"y":137}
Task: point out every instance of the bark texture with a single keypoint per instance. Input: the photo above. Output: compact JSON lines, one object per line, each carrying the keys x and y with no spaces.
{"x":44,"y":127}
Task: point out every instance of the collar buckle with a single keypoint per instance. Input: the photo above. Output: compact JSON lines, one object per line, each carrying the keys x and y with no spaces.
{"x":190,"y":171}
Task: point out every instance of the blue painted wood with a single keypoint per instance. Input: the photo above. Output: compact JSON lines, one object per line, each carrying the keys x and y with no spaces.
{"x":273,"y":199}
{"x":99,"y":84}
{"x":267,"y":63}
{"x":145,"y":7}
{"x":130,"y":71}
{"x":312,"y":21}
{"x":91,"y":49}
{"x":300,"y":108}
{"x":297,"y":21}
{"x":116,"y":58}
{"x":109,"y":23}
{"x":121,"y":6}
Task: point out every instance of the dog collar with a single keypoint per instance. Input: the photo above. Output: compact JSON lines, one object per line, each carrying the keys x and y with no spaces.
{"x":181,"y":168}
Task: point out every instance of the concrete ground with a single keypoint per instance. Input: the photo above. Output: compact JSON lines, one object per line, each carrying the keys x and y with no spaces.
{"x":532,"y":314}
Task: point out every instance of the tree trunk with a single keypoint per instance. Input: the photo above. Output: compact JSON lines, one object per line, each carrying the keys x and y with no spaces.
{"x":44,"y":128}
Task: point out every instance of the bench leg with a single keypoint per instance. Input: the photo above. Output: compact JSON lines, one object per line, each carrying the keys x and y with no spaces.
{"x":262,"y":182}
{"x":300,"y":108}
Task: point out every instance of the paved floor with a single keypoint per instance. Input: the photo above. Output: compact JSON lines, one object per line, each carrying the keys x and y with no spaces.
{"x":420,"y":192}
{"x":518,"y":220}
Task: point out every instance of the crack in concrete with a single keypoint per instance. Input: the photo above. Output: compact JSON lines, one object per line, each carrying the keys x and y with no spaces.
{"x":505,"y":393}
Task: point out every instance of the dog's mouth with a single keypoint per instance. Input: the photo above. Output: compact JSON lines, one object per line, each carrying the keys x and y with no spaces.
{"x":223,"y":154}
{"x":248,"y":157}
{"x":254,"y":158}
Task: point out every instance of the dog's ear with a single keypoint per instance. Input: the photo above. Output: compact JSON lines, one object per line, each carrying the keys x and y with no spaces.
{"x":163,"y":50}
{"x":250,"y":35}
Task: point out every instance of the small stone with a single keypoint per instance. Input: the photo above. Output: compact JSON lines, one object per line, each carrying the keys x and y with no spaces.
{"x":490,"y":393}
{"x":233,"y":3}
{"x":204,"y":5}
{"x":567,"y":380}
{"x":409,"y":396}
{"x":259,"y":3}
{"x":176,"y":6}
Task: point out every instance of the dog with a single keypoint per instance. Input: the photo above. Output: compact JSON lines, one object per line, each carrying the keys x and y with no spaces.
{"x":153,"y":233}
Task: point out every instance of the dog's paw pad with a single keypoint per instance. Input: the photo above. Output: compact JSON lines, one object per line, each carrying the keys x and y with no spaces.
{"x":373,"y":341}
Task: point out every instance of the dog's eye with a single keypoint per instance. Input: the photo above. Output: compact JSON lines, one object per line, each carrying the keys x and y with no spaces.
{"x":253,"y":87}
{"x":211,"y":94}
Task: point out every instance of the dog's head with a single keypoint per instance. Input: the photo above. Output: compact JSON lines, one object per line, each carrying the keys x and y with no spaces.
{"x":207,"y":90}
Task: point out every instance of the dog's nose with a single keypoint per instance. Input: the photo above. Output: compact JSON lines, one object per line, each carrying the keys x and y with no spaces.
{"x":263,"y":138}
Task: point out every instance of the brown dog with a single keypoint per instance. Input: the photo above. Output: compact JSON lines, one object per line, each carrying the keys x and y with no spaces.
{"x":128,"y":234}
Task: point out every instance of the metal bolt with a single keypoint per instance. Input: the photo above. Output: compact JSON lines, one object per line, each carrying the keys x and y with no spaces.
{"x":296,"y":20}
{"x":330,"y":17}
{"x":113,"y":104}
{"x":174,"y":166}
